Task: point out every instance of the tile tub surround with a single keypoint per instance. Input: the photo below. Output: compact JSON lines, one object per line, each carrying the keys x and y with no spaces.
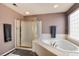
{"x":73,"y":40}
{"x":39,"y":45}
{"x":45,"y":49}
{"x":47,"y":36}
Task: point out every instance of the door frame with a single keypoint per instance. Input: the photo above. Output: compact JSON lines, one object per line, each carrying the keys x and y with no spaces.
{"x":20,"y":33}
{"x":16,"y":32}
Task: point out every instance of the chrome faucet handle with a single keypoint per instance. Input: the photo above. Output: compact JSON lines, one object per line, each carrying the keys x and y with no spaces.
{"x":54,"y":44}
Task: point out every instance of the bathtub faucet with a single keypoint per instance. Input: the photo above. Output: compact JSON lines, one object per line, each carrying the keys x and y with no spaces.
{"x":54,"y":44}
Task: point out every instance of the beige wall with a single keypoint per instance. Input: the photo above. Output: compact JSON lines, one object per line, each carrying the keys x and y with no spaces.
{"x":7,"y":16}
{"x":50,"y":19}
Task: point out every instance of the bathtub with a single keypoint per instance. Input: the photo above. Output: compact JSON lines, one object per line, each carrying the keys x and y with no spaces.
{"x":64,"y":46}
{"x":59,"y":46}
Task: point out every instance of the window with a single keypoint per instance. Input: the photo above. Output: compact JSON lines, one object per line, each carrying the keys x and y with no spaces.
{"x":74,"y":25}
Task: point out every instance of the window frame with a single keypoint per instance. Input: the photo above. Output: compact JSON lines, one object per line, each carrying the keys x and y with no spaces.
{"x":76,"y":39}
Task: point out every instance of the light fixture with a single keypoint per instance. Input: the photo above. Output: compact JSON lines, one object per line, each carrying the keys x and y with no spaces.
{"x":55,"y":6}
{"x":27,"y":13}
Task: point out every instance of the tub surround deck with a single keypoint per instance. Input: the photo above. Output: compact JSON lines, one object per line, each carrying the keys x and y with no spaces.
{"x":39,"y":47}
{"x":44,"y":48}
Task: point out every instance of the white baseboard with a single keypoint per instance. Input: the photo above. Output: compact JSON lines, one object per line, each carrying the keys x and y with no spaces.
{"x":8,"y":52}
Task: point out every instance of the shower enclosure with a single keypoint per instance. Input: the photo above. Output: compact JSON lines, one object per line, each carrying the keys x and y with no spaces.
{"x":26,"y":32}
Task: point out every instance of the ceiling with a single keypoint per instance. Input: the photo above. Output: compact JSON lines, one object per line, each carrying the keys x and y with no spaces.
{"x":39,"y":8}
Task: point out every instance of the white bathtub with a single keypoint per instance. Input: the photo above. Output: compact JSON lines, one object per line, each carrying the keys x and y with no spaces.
{"x":65,"y":46}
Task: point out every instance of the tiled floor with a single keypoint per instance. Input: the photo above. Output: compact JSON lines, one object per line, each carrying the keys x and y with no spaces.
{"x":21,"y":52}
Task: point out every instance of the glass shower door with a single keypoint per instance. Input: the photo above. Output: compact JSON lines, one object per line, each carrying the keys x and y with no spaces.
{"x":27,"y":34}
